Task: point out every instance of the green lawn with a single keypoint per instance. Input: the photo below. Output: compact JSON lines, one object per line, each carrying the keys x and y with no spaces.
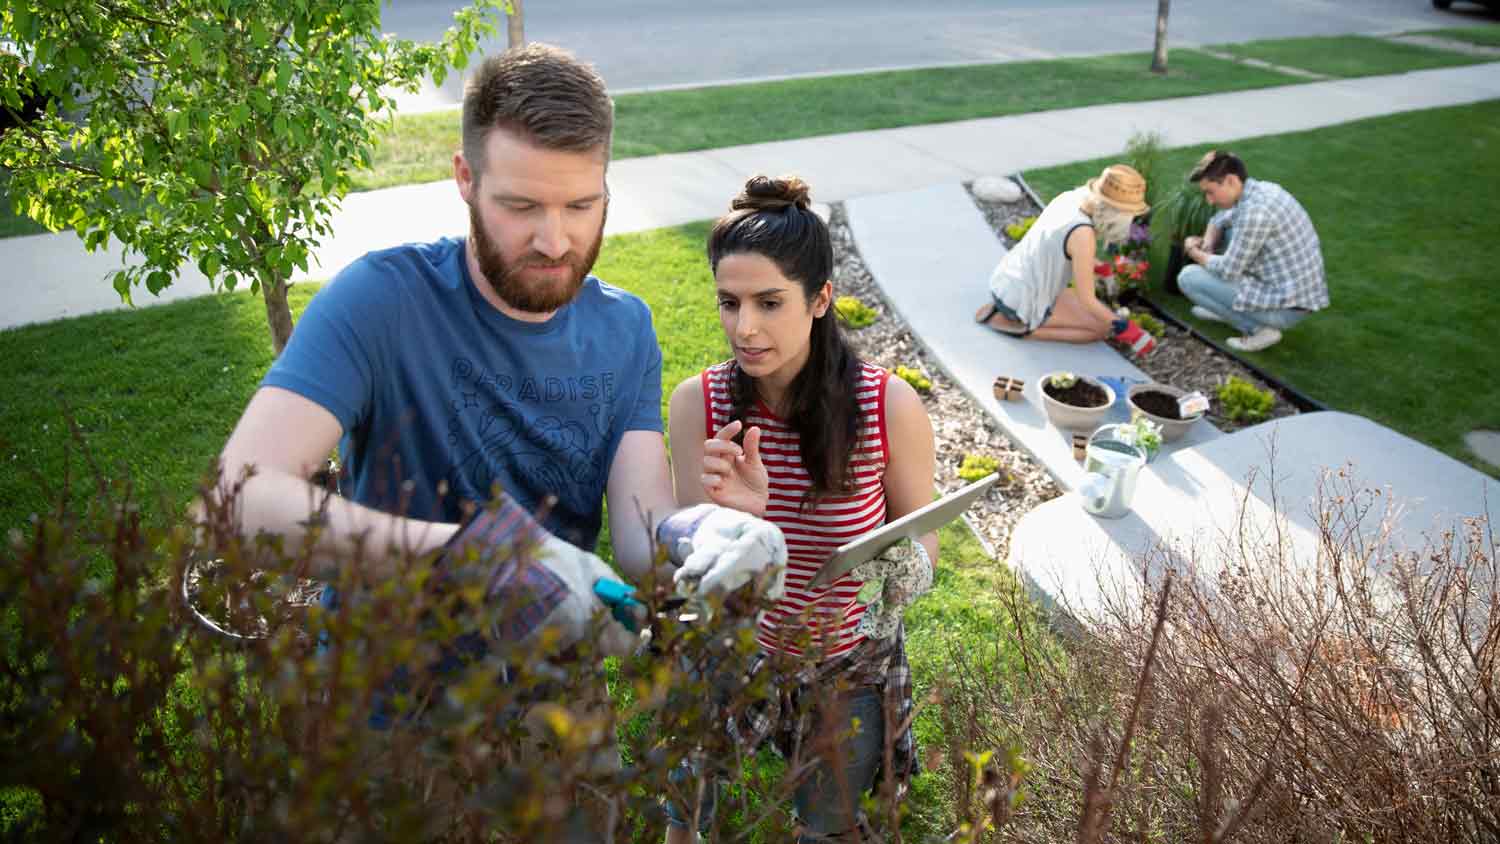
{"x":1348,"y":56}
{"x":420,"y":147}
{"x":1406,"y":228}
{"x":1484,"y":34}
{"x":11,"y":223}
{"x":158,"y":389}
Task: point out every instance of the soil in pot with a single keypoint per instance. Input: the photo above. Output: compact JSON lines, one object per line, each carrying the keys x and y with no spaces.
{"x":1081,"y":394}
{"x":1157,"y":404}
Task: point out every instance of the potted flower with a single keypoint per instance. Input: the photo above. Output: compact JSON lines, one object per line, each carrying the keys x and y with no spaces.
{"x":1158,"y":404}
{"x":1075,"y":402}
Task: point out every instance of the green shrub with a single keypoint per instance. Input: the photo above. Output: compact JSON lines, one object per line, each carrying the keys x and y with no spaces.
{"x":853,"y":312}
{"x":127,"y":720}
{"x":1016,"y":231}
{"x":1242,"y":401}
{"x":1150,"y":324}
{"x":1144,"y":152}
{"x":976,"y":466}
{"x":914,"y":377}
{"x":1183,"y":213}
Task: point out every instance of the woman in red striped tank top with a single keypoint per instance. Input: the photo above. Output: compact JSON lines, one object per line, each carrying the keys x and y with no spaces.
{"x":797,"y":430}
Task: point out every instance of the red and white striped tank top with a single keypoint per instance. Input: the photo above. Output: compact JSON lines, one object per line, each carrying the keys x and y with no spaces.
{"x":830,"y":613}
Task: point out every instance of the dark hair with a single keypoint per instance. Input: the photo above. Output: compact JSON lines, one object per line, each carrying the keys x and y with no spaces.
{"x":542,"y":93}
{"x":1215,"y":165}
{"x":771,"y":218}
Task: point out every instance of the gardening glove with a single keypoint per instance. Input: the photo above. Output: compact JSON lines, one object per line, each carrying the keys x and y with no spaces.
{"x":1137,"y":339}
{"x":720,"y":550}
{"x":542,"y":581}
{"x":901,"y":574}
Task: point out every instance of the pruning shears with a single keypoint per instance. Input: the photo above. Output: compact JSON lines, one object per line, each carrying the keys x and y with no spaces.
{"x":630,"y":611}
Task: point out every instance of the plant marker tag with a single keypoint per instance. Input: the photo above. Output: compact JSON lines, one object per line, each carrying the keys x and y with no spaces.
{"x":1007,"y":388}
{"x":1192,"y":404}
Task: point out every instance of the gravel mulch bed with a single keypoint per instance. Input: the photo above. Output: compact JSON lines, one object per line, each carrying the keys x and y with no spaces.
{"x":959,"y":424}
{"x":1180,"y":359}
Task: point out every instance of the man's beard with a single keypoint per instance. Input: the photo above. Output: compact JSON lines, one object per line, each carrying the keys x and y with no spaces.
{"x":505,"y":277}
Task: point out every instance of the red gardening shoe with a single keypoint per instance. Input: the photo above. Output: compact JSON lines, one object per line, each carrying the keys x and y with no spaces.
{"x":1136,"y":339}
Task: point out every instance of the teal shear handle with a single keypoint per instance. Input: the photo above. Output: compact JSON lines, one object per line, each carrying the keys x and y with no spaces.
{"x":620,"y":598}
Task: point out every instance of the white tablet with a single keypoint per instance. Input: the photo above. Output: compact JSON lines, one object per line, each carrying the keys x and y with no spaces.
{"x":911,"y":525}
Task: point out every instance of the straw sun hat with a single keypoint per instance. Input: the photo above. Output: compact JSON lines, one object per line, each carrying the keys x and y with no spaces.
{"x":1121,"y":186}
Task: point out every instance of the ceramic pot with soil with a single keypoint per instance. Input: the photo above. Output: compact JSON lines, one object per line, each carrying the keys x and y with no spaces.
{"x":1158,"y":402}
{"x":1080,"y":406}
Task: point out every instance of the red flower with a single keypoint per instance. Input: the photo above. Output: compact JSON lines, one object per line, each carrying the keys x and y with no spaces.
{"x":1103,"y":270}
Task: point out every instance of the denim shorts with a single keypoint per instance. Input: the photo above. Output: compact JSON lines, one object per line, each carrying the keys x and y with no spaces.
{"x":1005,"y":310}
{"x":824,"y":809}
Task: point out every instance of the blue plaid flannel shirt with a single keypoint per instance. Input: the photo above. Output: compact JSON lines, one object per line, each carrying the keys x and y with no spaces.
{"x":1274,"y":257}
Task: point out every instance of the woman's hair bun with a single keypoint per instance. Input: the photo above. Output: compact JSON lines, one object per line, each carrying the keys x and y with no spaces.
{"x":763,"y":193}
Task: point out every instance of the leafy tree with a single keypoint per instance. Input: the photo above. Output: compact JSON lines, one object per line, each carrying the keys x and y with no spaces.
{"x":220,"y":132}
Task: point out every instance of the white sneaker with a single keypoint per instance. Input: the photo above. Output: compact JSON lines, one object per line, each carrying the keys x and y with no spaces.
{"x":1264,"y":338}
{"x":1204,"y":313}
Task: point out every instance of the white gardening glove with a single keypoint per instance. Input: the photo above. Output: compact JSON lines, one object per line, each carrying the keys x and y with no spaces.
{"x":901,"y":574}
{"x":544,"y":581}
{"x":720,"y":550}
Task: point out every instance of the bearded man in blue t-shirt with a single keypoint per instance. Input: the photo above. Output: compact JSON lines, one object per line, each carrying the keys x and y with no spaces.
{"x":445,"y":371}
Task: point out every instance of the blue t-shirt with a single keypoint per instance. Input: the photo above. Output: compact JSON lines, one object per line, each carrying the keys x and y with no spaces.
{"x":441,"y":396}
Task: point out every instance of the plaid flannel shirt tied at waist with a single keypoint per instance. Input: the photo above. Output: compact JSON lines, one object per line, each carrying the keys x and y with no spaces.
{"x":1274,"y":256}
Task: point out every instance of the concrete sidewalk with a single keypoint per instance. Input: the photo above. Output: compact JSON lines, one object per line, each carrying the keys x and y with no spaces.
{"x":51,"y":276}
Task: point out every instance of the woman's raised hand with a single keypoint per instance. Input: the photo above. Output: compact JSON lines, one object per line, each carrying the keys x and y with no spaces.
{"x":733,"y":476}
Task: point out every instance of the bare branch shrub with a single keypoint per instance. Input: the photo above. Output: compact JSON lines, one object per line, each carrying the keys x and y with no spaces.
{"x":1344,"y":695}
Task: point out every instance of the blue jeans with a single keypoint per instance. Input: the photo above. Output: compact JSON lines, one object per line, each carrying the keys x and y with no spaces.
{"x":825,"y":811}
{"x":1214,"y":293}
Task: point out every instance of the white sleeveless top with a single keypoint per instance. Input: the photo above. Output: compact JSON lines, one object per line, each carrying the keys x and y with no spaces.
{"x":1033,"y":274}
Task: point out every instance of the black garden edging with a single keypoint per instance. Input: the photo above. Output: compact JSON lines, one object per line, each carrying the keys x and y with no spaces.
{"x":1303,"y":402}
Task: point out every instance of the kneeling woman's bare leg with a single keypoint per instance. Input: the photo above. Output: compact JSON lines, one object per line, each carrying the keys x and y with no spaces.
{"x":1073,"y":321}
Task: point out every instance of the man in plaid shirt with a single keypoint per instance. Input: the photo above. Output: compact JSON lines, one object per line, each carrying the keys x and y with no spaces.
{"x":1271,"y":274}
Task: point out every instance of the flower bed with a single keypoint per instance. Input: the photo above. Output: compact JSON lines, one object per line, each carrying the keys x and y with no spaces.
{"x":1180,"y":359}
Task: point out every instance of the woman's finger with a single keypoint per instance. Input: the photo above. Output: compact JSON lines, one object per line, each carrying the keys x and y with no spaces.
{"x":717,"y":465}
{"x":730,"y":431}
{"x":722,"y":448}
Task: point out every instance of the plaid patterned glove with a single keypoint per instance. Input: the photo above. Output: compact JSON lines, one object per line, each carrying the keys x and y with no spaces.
{"x":545,"y":581}
{"x":900,"y":575}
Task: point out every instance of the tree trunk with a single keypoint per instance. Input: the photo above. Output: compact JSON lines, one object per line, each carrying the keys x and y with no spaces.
{"x":1159,"y":58}
{"x":515,"y":25}
{"x":278,"y":314}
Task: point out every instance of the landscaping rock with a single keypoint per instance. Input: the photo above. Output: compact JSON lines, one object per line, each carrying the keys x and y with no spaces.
{"x":1486,"y":444}
{"x":997,"y":189}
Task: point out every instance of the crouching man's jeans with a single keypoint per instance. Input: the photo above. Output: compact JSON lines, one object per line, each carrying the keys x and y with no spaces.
{"x":1206,"y":289}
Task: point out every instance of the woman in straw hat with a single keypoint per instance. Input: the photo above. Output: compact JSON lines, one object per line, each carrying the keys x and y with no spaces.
{"x":1030,"y":289}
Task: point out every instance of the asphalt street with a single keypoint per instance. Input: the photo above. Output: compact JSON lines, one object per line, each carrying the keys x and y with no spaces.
{"x":663,"y":43}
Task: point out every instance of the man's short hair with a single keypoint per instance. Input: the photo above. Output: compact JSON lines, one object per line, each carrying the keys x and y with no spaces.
{"x":542,"y":93}
{"x":1215,"y":165}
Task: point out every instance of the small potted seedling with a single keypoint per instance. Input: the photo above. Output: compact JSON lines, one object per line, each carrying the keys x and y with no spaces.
{"x":1142,"y":433}
{"x":1163,"y":405}
{"x":1075,"y":402}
